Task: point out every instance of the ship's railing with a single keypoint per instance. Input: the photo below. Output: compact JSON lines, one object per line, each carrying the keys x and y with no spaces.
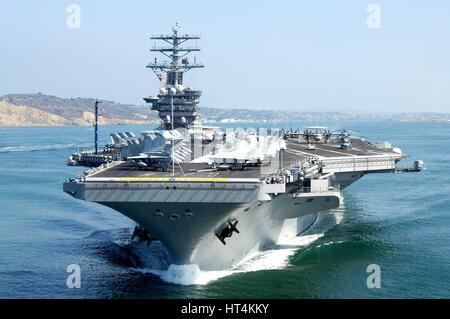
{"x":273,"y":179}
{"x":101,"y":168}
{"x":365,"y":163}
{"x":292,"y":173}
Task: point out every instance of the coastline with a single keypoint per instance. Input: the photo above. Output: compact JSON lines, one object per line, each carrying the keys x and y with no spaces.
{"x":424,"y":121}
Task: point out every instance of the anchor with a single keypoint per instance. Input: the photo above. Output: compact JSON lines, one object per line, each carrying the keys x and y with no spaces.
{"x":228,"y":231}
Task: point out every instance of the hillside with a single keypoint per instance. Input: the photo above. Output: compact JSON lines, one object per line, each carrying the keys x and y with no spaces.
{"x":53,"y":110}
{"x":46,"y":110}
{"x":15,"y":115}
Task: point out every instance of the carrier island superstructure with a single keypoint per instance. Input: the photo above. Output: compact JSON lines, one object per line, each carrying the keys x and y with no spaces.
{"x":214,"y":196}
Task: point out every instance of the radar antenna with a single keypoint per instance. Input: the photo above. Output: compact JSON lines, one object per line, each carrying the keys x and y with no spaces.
{"x":185,"y":100}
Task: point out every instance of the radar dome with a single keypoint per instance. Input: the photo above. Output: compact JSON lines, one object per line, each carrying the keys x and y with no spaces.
{"x":173,"y":90}
{"x":163,"y":91}
{"x":180,"y":88}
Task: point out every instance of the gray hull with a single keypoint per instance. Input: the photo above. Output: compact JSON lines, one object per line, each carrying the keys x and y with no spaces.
{"x":187,"y":218}
{"x":191,"y":237}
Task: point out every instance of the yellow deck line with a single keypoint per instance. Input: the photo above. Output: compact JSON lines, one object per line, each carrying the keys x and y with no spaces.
{"x":174,"y":179}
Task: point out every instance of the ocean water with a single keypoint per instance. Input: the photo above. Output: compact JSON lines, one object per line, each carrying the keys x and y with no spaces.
{"x":400,"y":222}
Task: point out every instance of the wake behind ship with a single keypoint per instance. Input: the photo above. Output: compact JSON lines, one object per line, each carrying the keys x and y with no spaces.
{"x":211,"y":196}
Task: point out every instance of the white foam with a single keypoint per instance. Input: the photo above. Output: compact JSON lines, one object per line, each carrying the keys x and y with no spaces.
{"x":41,"y":147}
{"x":300,"y":241}
{"x":278,"y":256}
{"x":275,"y":258}
{"x":187,"y":274}
{"x":330,"y":243}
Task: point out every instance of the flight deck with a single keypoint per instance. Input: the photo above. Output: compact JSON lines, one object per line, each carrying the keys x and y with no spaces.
{"x":294,"y":153}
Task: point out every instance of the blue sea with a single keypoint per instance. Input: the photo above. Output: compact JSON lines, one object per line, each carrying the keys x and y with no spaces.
{"x":400,"y":222}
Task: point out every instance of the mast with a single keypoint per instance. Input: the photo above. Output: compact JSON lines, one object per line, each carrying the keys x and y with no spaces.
{"x":170,"y":73}
{"x":96,"y":126}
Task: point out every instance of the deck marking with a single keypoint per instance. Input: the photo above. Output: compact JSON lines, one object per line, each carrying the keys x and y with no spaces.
{"x":173,"y":179}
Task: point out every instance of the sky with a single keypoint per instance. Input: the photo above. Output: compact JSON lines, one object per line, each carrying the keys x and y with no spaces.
{"x":287,"y":55}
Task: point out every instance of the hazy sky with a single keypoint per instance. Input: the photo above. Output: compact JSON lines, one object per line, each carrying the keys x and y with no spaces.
{"x":292,"y":55}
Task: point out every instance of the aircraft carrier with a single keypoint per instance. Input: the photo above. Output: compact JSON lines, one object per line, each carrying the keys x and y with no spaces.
{"x":213,"y":196}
